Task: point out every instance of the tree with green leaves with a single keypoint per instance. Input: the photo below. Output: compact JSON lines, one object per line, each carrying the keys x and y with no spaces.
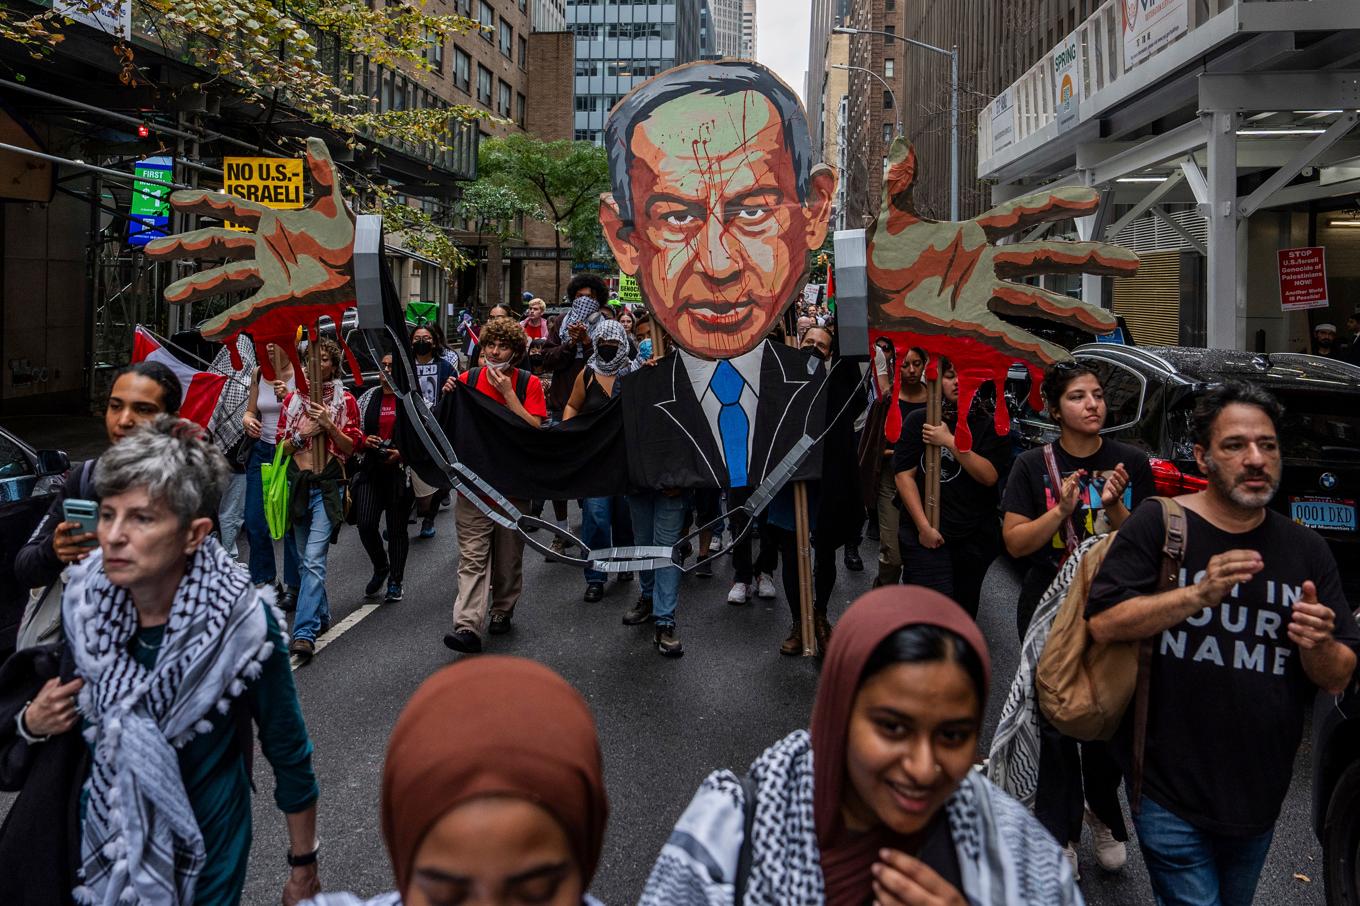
{"x":283,"y":53}
{"x":562,"y":179}
{"x":492,"y":212}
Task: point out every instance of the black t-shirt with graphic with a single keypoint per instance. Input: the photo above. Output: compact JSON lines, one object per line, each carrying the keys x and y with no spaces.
{"x":1228,"y":691}
{"x":1028,"y":493}
{"x":965,"y":505}
{"x":430,"y":378}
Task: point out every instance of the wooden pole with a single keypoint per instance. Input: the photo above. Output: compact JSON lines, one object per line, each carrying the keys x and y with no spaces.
{"x":803,"y":536}
{"x":934,"y":404}
{"x":317,"y":455}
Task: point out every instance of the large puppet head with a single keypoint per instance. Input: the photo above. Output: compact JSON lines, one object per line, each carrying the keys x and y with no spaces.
{"x":716,"y":202}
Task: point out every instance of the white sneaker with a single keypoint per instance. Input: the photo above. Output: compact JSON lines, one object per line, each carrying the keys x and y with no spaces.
{"x":1110,"y":853}
{"x":738,"y":593}
{"x":764,"y":587}
{"x":1071,"y":853}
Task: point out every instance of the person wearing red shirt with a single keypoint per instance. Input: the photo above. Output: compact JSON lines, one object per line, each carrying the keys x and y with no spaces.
{"x":491,"y":557}
{"x":534,"y":324}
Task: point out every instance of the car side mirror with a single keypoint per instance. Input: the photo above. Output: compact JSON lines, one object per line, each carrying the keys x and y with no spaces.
{"x":53,"y":462}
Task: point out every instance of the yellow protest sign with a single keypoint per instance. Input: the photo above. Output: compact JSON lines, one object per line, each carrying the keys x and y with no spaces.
{"x":629,"y":291}
{"x":272,"y":181}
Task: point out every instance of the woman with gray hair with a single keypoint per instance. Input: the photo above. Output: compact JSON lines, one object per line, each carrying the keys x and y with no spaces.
{"x":179,"y":653}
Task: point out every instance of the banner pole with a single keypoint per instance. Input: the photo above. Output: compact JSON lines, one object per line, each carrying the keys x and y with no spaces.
{"x":934,"y":404}
{"x":803,"y":532}
{"x":315,"y":394}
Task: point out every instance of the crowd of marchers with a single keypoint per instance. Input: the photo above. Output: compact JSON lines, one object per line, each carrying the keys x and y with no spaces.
{"x":129,"y":737}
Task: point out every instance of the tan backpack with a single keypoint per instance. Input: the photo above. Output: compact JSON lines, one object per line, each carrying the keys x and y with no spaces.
{"x":1085,"y":686}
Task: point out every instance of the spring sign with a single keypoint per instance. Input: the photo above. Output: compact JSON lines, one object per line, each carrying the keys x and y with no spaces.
{"x":272,"y":181}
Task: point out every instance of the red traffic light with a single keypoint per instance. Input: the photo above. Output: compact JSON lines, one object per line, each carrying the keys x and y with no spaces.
{"x":143,"y":130}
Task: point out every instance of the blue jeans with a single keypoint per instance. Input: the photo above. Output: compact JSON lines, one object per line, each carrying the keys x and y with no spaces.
{"x":1192,"y":867}
{"x":658,"y":519}
{"x":262,"y":567}
{"x":231,"y":511}
{"x":597,"y":530}
{"x":314,"y":539}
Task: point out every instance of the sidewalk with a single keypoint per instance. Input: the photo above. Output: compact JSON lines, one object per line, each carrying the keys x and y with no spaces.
{"x":81,"y":436}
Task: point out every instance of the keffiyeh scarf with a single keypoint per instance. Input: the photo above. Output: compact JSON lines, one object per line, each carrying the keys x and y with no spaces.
{"x":140,"y":841}
{"x":332,"y":397}
{"x":610,"y":331}
{"x":582,"y":307}
{"x":1013,"y":763}
{"x":1005,"y":857}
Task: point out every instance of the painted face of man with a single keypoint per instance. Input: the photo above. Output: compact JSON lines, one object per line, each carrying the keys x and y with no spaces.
{"x":720,"y":237}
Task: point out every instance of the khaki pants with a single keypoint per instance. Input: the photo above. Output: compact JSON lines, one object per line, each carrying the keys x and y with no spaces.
{"x":889,"y":557}
{"x":490,"y":566}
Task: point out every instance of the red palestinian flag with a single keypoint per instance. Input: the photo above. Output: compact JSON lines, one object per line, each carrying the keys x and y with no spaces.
{"x":830,"y":288}
{"x":201,"y":388}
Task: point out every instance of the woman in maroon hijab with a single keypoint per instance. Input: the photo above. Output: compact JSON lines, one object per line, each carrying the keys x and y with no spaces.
{"x":493,"y":791}
{"x":880,"y":801}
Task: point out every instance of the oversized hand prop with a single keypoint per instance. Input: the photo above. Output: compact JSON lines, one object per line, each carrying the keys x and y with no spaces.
{"x":298,"y":262}
{"x":943,"y":285}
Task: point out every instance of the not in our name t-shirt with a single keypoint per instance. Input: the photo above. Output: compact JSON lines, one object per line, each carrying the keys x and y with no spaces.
{"x":1227,"y":688}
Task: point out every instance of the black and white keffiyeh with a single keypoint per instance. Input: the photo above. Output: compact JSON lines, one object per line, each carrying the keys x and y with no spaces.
{"x":1013,"y":762}
{"x":607,"y":331}
{"x":140,"y":841}
{"x":1005,"y":857}
{"x":582,"y":308}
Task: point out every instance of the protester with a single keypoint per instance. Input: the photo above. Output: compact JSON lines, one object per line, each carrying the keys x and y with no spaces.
{"x":446,"y":352}
{"x":1324,"y":341}
{"x":316,"y":503}
{"x":491,"y":556}
{"x":1099,"y":481}
{"x":833,"y":516}
{"x":140,"y":392}
{"x":627,"y":319}
{"x":1239,"y":651}
{"x":911,"y":396}
{"x":380,"y":487}
{"x":880,"y":802}
{"x":432,"y":372}
{"x":226,"y":428}
{"x":179,"y":653}
{"x":597,"y":383}
{"x":1351,"y":346}
{"x":564,"y":355}
{"x":512,"y":813}
{"x":952,"y":559}
{"x":261,"y":422}
{"x":658,"y":518}
{"x":534,"y":324}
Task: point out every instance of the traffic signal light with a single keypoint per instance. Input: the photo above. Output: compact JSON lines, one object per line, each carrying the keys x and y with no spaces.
{"x":143,"y":130}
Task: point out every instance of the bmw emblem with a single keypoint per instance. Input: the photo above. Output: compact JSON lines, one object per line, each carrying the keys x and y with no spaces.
{"x":1327,"y":480}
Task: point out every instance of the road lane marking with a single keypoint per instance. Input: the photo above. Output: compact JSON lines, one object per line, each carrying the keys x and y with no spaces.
{"x":336,"y":631}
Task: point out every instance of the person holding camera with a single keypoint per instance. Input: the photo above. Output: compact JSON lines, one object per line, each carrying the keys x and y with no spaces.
{"x":381,"y":488}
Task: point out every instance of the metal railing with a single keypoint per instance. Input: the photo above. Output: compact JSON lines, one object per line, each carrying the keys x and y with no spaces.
{"x":1031,"y":102}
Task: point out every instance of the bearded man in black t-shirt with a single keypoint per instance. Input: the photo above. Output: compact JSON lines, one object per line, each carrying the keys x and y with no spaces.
{"x":1257,"y":626}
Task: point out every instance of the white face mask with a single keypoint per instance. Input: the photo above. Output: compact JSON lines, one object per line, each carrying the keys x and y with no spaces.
{"x":498,"y":366}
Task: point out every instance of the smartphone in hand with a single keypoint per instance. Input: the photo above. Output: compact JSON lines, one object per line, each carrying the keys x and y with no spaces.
{"x":83,"y":512}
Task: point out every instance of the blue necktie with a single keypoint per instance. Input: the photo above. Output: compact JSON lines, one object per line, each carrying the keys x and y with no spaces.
{"x":733,"y":425}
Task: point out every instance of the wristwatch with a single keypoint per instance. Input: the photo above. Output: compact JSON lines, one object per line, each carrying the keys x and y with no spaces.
{"x":23,"y":731}
{"x":304,"y":860}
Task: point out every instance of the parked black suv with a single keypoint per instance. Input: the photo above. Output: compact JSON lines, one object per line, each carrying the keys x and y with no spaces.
{"x":1150,"y":393}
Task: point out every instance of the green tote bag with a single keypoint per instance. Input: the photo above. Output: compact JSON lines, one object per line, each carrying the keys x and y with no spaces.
{"x":274,"y":479}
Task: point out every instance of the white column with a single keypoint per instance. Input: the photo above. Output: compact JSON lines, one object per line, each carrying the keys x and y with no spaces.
{"x":1225,"y":317}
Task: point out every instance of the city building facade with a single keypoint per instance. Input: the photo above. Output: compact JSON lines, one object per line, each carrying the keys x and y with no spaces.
{"x":835,"y":97}
{"x":719,"y":29}
{"x":549,"y":15}
{"x":748,"y":29}
{"x":618,"y":45}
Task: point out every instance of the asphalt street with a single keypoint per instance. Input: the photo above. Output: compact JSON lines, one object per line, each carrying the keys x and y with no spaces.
{"x":664,"y":724}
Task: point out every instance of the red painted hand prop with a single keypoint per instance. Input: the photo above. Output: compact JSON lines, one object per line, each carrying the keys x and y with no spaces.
{"x":299,"y":262}
{"x":944,"y":285}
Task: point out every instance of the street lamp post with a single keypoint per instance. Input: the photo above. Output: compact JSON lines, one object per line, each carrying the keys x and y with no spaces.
{"x":953,"y":55}
{"x":897,"y":108}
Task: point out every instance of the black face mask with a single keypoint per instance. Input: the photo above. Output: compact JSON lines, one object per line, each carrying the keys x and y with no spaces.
{"x":422,"y":347}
